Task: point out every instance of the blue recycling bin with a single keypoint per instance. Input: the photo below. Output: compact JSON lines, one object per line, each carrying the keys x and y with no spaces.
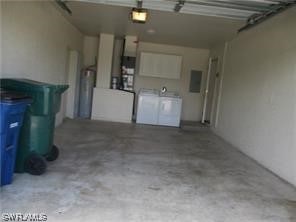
{"x":12,"y":108}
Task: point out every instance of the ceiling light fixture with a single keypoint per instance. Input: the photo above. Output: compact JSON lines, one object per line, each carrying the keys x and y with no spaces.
{"x":139,"y":15}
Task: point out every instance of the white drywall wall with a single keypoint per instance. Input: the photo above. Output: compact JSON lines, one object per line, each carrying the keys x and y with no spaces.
{"x":112,"y":105}
{"x":192,"y":59}
{"x":104,"y":64}
{"x":258,"y":105}
{"x":90,"y":50}
{"x":35,"y":42}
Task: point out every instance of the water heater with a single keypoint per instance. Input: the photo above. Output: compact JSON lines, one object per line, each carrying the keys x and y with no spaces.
{"x":87,"y":84}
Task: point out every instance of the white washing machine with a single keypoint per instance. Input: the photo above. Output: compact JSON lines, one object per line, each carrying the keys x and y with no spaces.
{"x":170,"y":107}
{"x":148,"y":104}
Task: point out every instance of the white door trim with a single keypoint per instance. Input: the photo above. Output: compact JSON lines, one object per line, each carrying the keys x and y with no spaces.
{"x":204,"y":108}
{"x":207,"y":90}
{"x":73,"y":78}
{"x":221,"y":85}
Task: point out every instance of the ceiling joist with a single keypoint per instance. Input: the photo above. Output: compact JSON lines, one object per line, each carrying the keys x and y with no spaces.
{"x":63,"y":5}
{"x":179,"y":5}
{"x":258,"y":18}
{"x":139,"y":3}
{"x":234,"y":9}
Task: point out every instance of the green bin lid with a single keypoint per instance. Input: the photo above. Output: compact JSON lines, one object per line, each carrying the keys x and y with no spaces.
{"x":31,"y":85}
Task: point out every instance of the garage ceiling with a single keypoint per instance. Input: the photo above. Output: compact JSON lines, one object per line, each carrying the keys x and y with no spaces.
{"x":198,"y":23}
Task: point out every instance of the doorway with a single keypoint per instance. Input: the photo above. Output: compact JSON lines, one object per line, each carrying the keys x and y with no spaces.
{"x":211,"y":93}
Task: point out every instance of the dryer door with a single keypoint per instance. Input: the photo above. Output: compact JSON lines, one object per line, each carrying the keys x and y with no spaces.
{"x":147,"y":112}
{"x":169,"y":111}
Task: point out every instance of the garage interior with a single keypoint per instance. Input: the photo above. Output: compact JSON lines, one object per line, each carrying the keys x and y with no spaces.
{"x":230,"y":153}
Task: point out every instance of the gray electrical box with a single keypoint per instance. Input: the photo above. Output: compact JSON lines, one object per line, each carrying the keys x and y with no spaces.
{"x":195,"y":81}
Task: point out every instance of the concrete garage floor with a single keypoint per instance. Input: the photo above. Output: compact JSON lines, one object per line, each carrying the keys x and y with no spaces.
{"x":127,"y":172}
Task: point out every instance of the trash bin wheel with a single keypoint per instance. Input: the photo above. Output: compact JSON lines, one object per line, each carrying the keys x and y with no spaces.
{"x":53,"y":154}
{"x":35,"y":164}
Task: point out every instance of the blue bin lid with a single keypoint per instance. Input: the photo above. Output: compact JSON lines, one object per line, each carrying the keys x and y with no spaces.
{"x":11,"y":96}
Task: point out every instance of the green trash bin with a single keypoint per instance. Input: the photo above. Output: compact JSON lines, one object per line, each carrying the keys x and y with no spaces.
{"x":37,"y":134}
